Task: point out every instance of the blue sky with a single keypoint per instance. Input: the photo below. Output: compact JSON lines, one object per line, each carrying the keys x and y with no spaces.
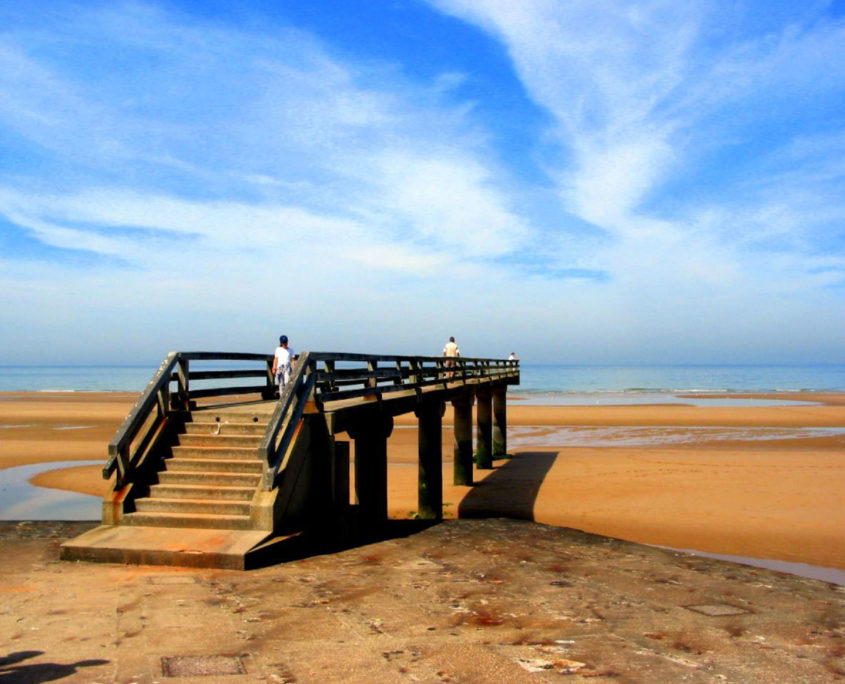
{"x":586,"y":182}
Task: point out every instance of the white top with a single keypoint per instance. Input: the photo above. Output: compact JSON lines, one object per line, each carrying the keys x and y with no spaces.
{"x":283,"y":359}
{"x":451,"y":349}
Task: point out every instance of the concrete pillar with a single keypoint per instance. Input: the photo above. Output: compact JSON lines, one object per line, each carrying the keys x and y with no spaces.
{"x":304,"y":492}
{"x":370,"y":432}
{"x":462,"y":462}
{"x":430,"y":478}
{"x":340,"y":476}
{"x":500,"y":423}
{"x":484,"y":431}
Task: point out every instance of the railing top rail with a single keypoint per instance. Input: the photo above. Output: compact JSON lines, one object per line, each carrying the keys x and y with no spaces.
{"x":345,"y":356}
{"x":222,"y":356}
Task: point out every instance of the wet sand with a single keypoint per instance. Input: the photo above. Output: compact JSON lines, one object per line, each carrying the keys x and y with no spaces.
{"x":756,"y":481}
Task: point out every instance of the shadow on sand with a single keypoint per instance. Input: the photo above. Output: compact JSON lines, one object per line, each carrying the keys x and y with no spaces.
{"x":510,"y":491}
{"x":12,"y":671}
{"x":284,"y":549}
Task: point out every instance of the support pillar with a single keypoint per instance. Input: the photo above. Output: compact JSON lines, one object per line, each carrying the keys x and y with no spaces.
{"x":370,"y":432}
{"x":500,"y":423}
{"x":484,"y":431}
{"x":462,"y":461}
{"x":340,"y":477}
{"x":430,"y":478}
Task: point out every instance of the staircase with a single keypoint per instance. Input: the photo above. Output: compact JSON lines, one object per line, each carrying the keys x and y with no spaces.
{"x":210,"y":477}
{"x":198,"y":512}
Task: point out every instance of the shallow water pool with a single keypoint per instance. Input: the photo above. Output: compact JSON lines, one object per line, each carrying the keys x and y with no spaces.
{"x":20,"y":500}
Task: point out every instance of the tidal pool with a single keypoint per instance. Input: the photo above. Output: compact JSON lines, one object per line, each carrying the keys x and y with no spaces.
{"x":20,"y":500}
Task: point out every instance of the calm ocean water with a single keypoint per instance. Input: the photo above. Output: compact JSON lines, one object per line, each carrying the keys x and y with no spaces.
{"x":537,"y":380}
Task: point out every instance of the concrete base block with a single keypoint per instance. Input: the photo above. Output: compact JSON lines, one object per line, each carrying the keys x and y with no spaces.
{"x":195,"y":548}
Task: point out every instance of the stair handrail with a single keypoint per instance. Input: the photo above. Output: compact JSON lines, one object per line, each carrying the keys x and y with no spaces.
{"x":156,"y":396}
{"x":286,"y":417}
{"x":151,"y":411}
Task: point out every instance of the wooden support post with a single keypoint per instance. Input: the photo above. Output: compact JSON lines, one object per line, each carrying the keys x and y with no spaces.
{"x":500,"y":423}
{"x":430,"y":477}
{"x":462,"y":461}
{"x":370,"y":432}
{"x":484,"y":431}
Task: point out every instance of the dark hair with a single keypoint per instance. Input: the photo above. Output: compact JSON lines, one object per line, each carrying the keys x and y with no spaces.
{"x":283,"y":339}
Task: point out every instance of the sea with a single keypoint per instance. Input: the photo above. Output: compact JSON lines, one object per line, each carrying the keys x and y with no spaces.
{"x":539,"y":383}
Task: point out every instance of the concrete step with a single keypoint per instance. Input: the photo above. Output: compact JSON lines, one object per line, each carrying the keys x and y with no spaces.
{"x":219,"y":441}
{"x":215,"y":465}
{"x":234,"y":415}
{"x":203,"y":521}
{"x":201,"y":490}
{"x":227,"y":428}
{"x":192,"y":506}
{"x":200,"y":548}
{"x":209,"y":479}
{"x":209,"y":452}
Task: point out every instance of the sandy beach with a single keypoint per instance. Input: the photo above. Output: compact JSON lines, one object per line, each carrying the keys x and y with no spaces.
{"x":755,"y":481}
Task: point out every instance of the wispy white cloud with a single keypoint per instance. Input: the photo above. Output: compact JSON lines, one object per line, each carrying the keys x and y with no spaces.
{"x":643,"y":94}
{"x":301,"y":149}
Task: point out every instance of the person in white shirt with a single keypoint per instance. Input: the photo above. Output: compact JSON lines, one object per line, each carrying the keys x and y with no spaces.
{"x":283,"y":362}
{"x":451,"y":351}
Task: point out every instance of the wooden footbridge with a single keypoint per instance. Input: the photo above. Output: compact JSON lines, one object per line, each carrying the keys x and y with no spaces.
{"x":209,"y":466}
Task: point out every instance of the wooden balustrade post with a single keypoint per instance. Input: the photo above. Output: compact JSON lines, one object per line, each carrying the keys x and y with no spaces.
{"x":372,"y":381}
{"x":430,"y":445}
{"x":122,"y":467}
{"x":183,"y":372}
{"x":329,"y":366}
{"x":462,"y":461}
{"x":500,"y":423}
{"x":484,"y":431}
{"x":270,"y":390}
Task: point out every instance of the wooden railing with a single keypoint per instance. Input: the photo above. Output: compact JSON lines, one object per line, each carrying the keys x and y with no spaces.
{"x":142,"y":429}
{"x":350,"y":376}
{"x":326,"y":378}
